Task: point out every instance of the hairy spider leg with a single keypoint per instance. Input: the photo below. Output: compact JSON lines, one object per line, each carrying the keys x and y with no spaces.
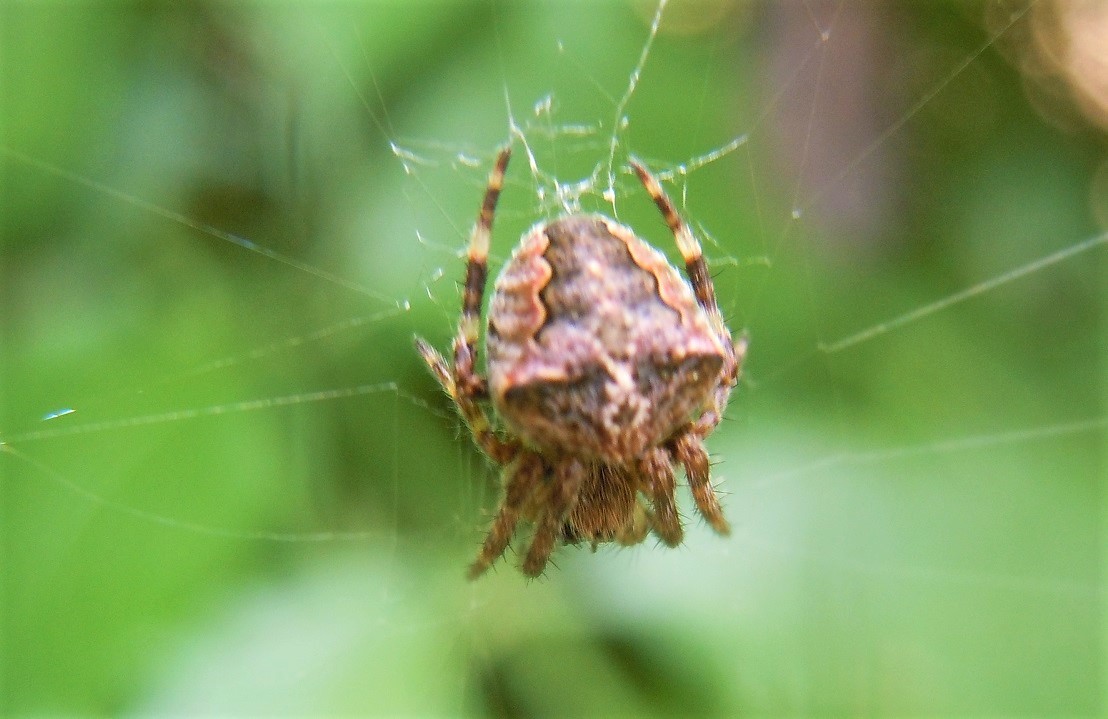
{"x":477,"y":271}
{"x":696,"y":269}
{"x":656,"y":468}
{"x":523,"y":479}
{"x":464,"y":385}
{"x":498,"y":449}
{"x":688,"y":445}
{"x":689,"y":449}
{"x":569,"y":474}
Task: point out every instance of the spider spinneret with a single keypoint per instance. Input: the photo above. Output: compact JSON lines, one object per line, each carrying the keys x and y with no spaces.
{"x":605,"y":370}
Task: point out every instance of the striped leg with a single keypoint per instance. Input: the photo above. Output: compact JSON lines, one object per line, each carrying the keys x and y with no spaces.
{"x":498,"y":450}
{"x":477,"y":273}
{"x":696,"y":269}
{"x":462,"y":382}
{"x":690,"y":452}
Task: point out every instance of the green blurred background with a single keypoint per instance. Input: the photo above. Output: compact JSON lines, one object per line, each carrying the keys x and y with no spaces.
{"x":918,"y":515}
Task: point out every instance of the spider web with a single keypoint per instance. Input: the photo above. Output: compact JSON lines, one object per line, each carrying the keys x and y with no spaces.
{"x":214,"y":424}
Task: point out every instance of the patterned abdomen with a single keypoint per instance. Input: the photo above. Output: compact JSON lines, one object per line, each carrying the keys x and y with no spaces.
{"x":596,"y":345}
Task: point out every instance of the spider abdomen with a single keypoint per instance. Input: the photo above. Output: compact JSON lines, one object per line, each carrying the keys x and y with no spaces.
{"x":596,"y":345}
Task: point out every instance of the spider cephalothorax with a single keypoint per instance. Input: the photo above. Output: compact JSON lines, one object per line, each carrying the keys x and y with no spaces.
{"x":605,"y":369}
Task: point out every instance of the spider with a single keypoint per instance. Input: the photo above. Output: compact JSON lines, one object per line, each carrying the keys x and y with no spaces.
{"x":605,"y":369}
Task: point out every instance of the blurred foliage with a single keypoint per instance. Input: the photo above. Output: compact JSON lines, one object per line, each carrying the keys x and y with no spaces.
{"x":211,"y":211}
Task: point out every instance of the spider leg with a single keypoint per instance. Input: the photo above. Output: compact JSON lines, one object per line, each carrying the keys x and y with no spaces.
{"x":569,"y":474}
{"x":696,"y":269}
{"x":499,"y":450}
{"x":656,"y":470}
{"x":522,"y":480}
{"x":462,"y":382}
{"x":477,"y":271}
{"x":688,"y":447}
